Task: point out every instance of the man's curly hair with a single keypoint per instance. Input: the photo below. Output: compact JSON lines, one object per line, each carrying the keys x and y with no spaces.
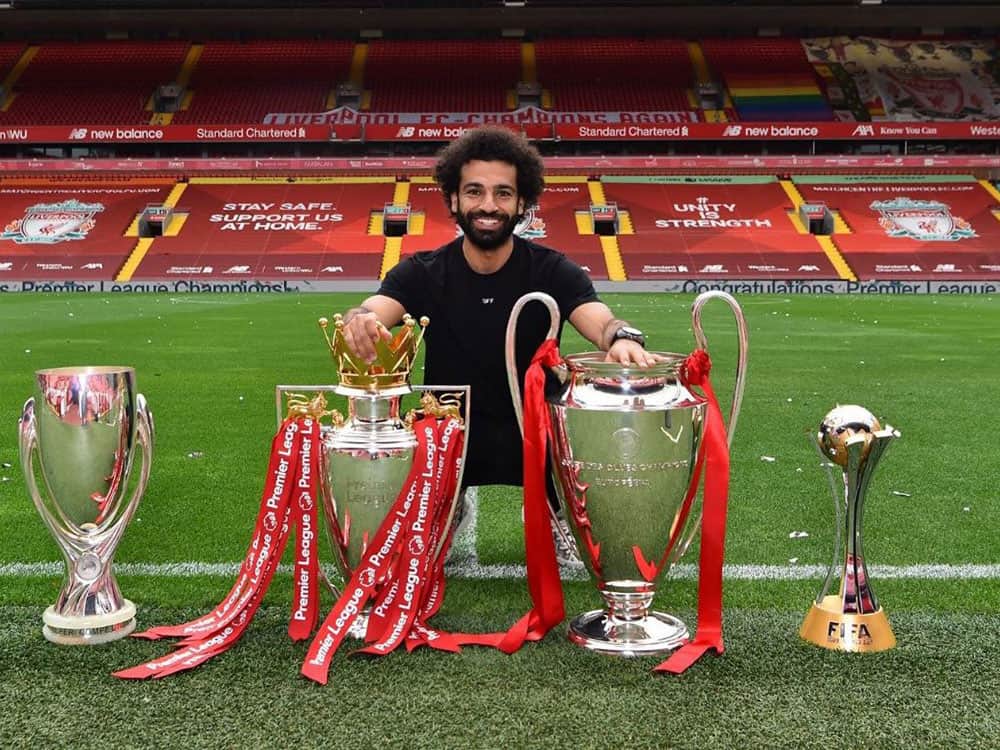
{"x":491,"y":143}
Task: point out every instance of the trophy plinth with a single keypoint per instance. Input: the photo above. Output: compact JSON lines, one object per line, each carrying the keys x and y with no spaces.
{"x":80,"y":432}
{"x":850,"y":620}
{"x":628,"y":625}
{"x":88,"y":629}
{"x":827,"y":625}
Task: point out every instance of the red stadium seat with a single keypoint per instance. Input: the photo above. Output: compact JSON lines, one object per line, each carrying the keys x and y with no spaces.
{"x":241,"y":82}
{"x":916,"y":230}
{"x":83,"y":83}
{"x":442,"y":75}
{"x":611,"y":74}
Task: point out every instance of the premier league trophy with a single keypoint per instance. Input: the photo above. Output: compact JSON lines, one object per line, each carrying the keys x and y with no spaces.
{"x":366,"y":456}
{"x":626,"y":441}
{"x":82,"y":428}
{"x":850,"y":620}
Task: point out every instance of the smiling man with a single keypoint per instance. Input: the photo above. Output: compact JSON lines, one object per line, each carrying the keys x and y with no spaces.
{"x":488,"y":177}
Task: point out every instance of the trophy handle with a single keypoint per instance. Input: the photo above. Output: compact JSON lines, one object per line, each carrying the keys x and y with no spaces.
{"x":738,"y":387}
{"x":28,"y":439}
{"x":741,"y":360}
{"x":515,"y":382}
{"x":509,"y":356}
{"x":144,"y":439}
{"x":144,"y":436}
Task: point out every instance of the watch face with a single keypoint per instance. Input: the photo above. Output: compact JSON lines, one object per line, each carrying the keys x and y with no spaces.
{"x":630,"y":333}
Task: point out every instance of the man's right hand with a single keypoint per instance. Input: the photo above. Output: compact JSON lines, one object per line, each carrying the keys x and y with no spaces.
{"x":361,"y":330}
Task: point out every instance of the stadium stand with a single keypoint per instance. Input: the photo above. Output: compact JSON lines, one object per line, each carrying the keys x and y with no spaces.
{"x":616,"y":73}
{"x":740,"y":227}
{"x":919,"y":227}
{"x":10,"y":53}
{"x":50,"y":230}
{"x":729,"y":224}
{"x":83,"y":83}
{"x":273,"y":229}
{"x":241,"y":82}
{"x":430,"y":225}
{"x":768,"y":79}
{"x":555,"y":222}
{"x":442,"y":75}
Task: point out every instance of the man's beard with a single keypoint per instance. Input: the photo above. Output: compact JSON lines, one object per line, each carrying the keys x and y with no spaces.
{"x":489,"y":240}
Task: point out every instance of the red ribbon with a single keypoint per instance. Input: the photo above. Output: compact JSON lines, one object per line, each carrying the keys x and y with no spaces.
{"x":539,"y":550}
{"x":293,"y":456}
{"x":305,"y":599}
{"x":713,"y":527}
{"x":399,"y":571}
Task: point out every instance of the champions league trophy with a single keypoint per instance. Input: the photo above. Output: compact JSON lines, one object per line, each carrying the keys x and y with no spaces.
{"x":850,"y":620}
{"x":625,"y":444}
{"x":82,"y":427}
{"x":367,"y":456}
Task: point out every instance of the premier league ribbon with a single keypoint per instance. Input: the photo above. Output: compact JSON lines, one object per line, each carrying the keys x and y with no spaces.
{"x":288,"y":493}
{"x":402,"y":572}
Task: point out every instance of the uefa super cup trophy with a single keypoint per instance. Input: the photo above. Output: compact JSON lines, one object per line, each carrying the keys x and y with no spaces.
{"x":626,"y":441}
{"x":850,"y":620}
{"x":367,"y":455}
{"x":80,"y":432}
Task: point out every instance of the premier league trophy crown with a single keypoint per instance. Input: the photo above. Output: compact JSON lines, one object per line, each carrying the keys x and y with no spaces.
{"x":366,"y":456}
{"x":80,"y":431}
{"x":389,"y":372}
{"x":851,"y":439}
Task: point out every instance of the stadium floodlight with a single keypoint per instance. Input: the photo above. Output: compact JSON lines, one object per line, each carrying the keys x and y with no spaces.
{"x":869,"y":2}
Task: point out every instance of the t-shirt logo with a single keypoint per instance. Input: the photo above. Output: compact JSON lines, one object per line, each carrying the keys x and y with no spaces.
{"x":487,"y":300}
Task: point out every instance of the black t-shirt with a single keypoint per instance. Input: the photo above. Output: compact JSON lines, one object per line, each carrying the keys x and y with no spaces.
{"x":468,"y":314}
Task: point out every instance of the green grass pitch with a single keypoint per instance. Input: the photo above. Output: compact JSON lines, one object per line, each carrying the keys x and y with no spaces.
{"x":208,"y":366}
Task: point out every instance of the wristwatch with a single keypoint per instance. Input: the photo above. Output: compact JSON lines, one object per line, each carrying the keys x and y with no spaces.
{"x":630,"y":333}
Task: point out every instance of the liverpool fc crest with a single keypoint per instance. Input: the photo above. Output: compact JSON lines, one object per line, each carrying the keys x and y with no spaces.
{"x":921,"y":220}
{"x":48,"y":223}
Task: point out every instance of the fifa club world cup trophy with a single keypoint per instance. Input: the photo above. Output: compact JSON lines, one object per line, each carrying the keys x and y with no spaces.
{"x":850,"y":438}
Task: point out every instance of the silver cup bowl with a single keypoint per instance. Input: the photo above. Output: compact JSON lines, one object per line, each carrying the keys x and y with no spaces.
{"x":625,"y":445}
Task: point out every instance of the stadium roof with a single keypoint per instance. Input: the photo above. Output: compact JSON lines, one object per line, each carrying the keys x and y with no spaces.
{"x":268,"y":17}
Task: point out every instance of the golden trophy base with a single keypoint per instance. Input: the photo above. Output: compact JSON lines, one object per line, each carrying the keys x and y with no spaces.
{"x":828,"y":626}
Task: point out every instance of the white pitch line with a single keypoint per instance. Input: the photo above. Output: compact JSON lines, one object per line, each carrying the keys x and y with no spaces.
{"x":472,"y":568}
{"x":463,"y":562}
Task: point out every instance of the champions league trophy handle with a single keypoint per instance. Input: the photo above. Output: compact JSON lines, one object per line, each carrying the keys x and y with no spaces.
{"x":512,"y":377}
{"x":514,"y":380}
{"x":741,"y":357}
{"x":738,"y":386}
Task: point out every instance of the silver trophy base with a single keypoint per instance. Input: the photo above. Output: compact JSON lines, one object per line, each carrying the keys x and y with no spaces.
{"x":655,"y":633}
{"x":88,"y":630}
